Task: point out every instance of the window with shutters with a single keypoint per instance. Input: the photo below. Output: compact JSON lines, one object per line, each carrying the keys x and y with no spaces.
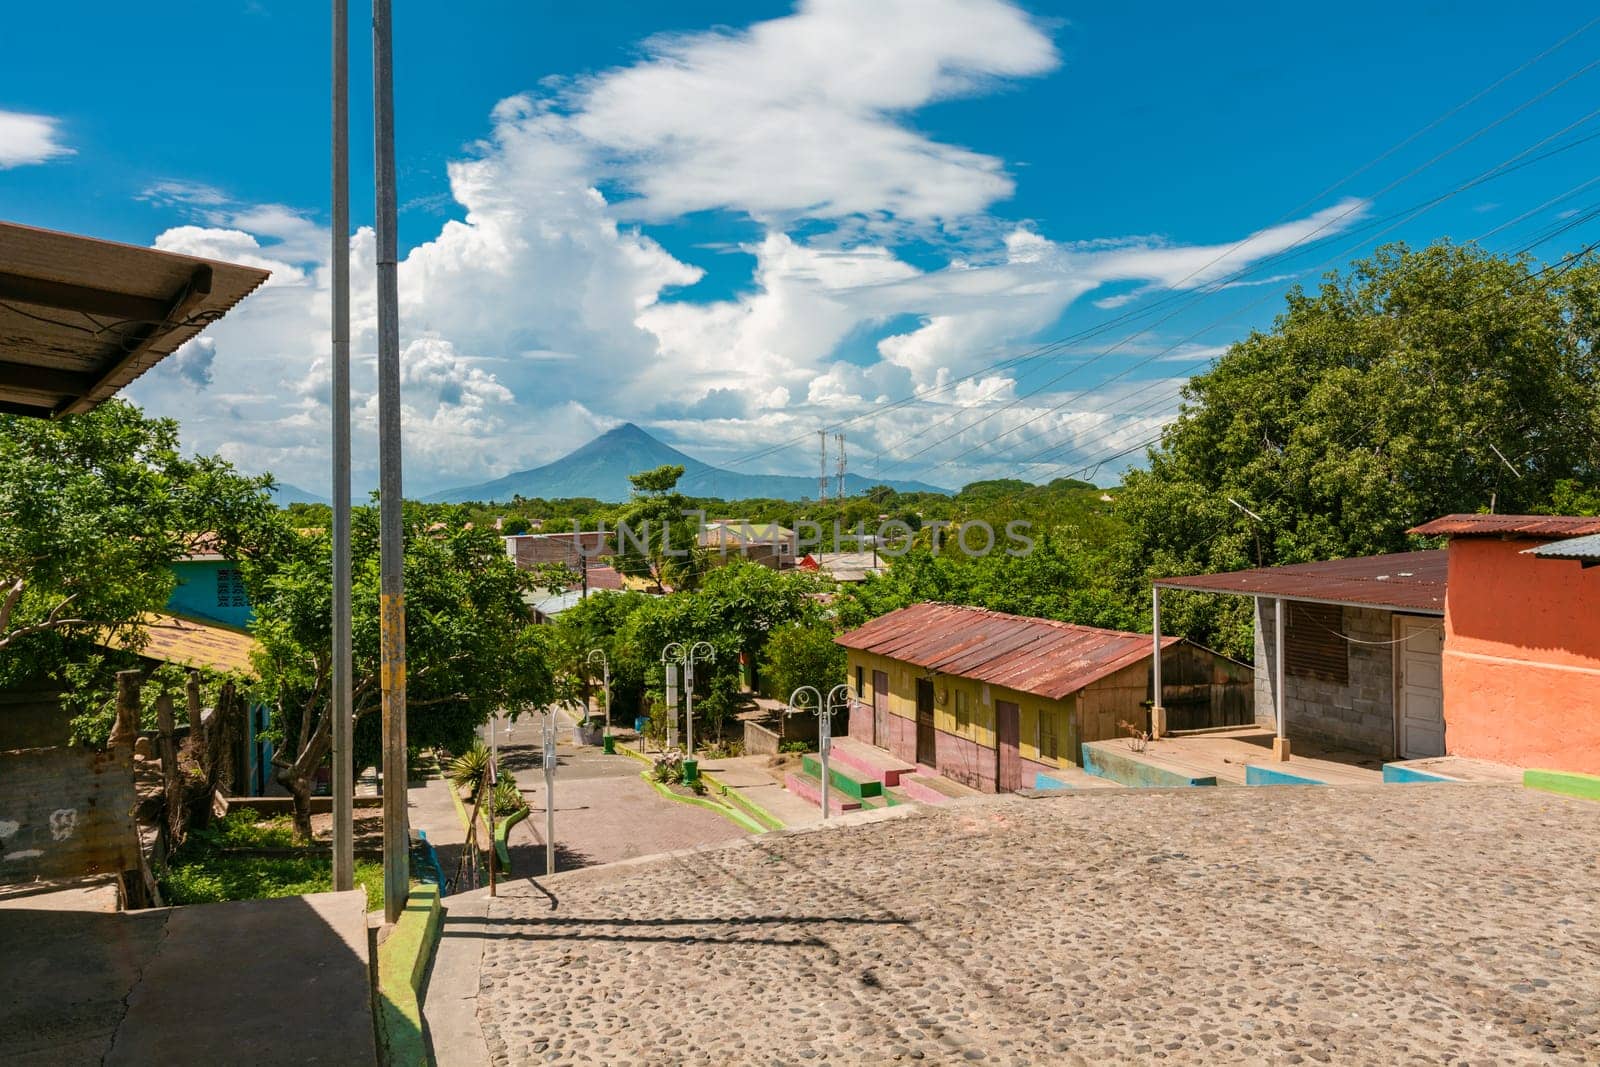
{"x":1313,"y":642}
{"x":963,"y":713}
{"x":230,"y":589}
{"x":1047,"y":734}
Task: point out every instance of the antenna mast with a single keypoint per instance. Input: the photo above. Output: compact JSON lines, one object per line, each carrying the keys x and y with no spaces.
{"x":822,"y":480}
{"x":840,"y":438}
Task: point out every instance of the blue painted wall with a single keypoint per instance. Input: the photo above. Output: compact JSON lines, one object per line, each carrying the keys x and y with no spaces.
{"x":1258,"y":775}
{"x":210,"y":590}
{"x":1399,"y":772}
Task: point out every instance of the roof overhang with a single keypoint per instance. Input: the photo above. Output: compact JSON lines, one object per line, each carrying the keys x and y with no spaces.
{"x":1411,"y":582}
{"x":80,"y":318}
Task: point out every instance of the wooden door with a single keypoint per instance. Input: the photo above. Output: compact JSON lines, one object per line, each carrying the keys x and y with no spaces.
{"x":1419,"y":687}
{"x":1007,"y":730}
{"x":926,"y":753}
{"x":880,"y":708}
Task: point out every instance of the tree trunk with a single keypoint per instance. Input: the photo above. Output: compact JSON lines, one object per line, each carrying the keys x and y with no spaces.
{"x":299,"y":787}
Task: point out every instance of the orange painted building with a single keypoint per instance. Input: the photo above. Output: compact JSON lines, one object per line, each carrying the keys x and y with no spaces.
{"x":1521,"y":665}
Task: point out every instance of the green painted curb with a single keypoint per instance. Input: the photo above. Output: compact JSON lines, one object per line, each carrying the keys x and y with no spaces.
{"x":402,"y":962}
{"x":761,"y":815}
{"x":1567,"y":783}
{"x":732,"y":814}
{"x":503,"y":828}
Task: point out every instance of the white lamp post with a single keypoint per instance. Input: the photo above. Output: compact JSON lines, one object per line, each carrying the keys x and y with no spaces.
{"x":605,"y":666}
{"x":671,"y":656}
{"x":824,"y":734}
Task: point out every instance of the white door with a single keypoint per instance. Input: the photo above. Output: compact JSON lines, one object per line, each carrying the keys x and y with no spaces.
{"x":1419,"y":669}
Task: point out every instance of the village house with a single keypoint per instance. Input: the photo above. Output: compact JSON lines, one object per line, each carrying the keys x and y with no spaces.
{"x":1521,"y":664}
{"x":766,"y":543}
{"x":994,"y":701}
{"x":586,"y":553}
{"x":1347,"y":652}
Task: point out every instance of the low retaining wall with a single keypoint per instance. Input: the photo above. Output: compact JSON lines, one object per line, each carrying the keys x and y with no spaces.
{"x":1127,"y":769}
{"x":285,"y":805}
{"x":1256,"y":775}
{"x":1567,"y":783}
{"x":402,"y":962}
{"x":1400,"y":773}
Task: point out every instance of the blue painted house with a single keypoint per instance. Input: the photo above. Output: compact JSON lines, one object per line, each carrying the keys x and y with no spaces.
{"x":211,"y":590}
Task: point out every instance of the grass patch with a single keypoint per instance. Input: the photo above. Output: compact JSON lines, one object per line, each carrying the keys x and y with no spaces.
{"x":202,"y":872}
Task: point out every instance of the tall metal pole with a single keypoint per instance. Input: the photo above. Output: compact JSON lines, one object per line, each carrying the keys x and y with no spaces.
{"x":549,"y":761}
{"x":344,"y":785}
{"x":391,"y":589}
{"x":838,"y":697}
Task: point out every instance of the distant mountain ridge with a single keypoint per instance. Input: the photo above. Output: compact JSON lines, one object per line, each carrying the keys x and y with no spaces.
{"x":600,"y":469}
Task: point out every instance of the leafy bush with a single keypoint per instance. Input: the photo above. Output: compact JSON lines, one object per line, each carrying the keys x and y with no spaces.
{"x":668,"y":767}
{"x":508,"y":799}
{"x":796,"y":747}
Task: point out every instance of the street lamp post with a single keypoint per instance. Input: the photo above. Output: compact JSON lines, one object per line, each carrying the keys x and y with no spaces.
{"x":605,"y":667}
{"x":824,"y":737}
{"x":688,"y":658}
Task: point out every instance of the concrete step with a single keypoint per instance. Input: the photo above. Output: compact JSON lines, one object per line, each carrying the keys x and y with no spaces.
{"x":809,"y":787}
{"x":869,"y":761}
{"x":931,"y":789}
{"x":845,"y":779}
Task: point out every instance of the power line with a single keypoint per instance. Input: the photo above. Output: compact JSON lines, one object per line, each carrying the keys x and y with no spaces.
{"x":1408,"y":216}
{"x":1131,"y":315}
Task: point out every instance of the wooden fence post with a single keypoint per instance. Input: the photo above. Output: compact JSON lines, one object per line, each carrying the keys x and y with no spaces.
{"x":125,"y":731}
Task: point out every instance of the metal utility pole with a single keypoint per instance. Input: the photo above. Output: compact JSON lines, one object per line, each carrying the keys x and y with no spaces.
{"x":391,"y":588}
{"x":549,"y":761}
{"x":838,"y":697}
{"x":344,"y":784}
{"x":839,"y":495}
{"x":822,"y":479}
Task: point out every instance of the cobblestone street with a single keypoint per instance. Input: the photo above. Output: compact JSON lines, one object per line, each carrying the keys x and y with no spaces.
{"x":1374,"y":925}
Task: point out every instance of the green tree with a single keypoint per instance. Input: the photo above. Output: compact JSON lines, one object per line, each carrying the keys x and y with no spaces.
{"x":799,"y":655}
{"x":471,"y":646}
{"x":1416,"y":384}
{"x":94,"y":509}
{"x":659,"y":542}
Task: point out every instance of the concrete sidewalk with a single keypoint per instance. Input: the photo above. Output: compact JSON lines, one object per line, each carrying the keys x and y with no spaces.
{"x":280,"y":981}
{"x":750,"y":778}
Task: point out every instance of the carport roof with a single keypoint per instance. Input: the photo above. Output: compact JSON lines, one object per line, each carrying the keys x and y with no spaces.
{"x":1399,"y":581}
{"x":80,"y":318}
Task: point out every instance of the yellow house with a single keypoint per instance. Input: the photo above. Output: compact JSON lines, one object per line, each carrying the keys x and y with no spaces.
{"x":994,"y":700}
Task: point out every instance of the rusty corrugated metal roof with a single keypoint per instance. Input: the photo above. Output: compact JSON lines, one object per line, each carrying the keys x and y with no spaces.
{"x":174,"y":639}
{"x":80,"y":318}
{"x":1509,"y":526}
{"x":1400,"y":581}
{"x":1039,"y":656}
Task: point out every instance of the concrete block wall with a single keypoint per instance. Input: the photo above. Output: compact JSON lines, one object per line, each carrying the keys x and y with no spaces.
{"x":1357,"y":715}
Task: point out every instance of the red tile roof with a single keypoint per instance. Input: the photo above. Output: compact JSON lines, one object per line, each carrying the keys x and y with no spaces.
{"x":1400,"y":581}
{"x":1039,"y":656}
{"x":1517,"y":526}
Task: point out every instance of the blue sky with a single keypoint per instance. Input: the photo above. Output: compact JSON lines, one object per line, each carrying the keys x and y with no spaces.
{"x":736,"y":223}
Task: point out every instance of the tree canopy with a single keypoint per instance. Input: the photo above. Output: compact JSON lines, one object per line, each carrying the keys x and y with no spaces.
{"x":1416,"y":384}
{"x":94,"y":509}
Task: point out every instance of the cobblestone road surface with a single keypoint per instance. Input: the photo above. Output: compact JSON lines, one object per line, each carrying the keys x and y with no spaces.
{"x":1390,"y":924}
